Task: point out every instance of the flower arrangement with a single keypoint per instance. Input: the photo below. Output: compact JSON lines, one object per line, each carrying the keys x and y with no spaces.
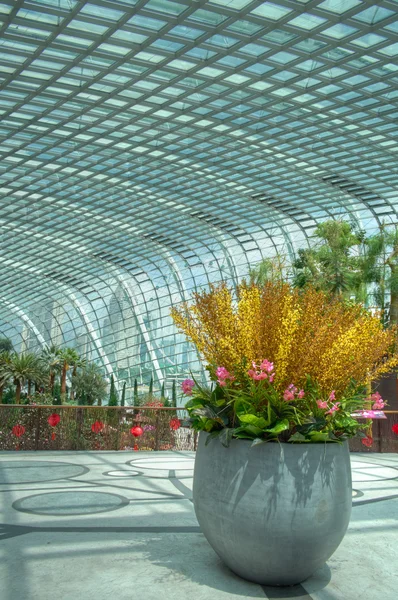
{"x":284,"y":364}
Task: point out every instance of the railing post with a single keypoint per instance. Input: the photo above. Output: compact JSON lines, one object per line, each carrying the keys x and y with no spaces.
{"x":37,"y":432}
{"x":119,"y":412}
{"x":157,"y":430}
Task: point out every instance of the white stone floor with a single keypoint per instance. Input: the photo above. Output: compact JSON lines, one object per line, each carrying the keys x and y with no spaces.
{"x":121,"y":526}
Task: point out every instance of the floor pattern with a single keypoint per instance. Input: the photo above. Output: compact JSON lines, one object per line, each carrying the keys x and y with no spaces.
{"x":91,"y":524}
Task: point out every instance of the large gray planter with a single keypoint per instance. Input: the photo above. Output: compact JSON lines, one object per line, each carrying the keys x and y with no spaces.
{"x":274,"y":513}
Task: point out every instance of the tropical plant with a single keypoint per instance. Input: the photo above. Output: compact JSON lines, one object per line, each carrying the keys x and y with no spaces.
{"x":76,"y":362}
{"x":5,"y":375}
{"x":113,"y":399}
{"x":21,"y":368}
{"x":286,"y":364}
{"x":269,"y":269}
{"x":150,"y":391}
{"x":174,"y":393}
{"x":50,"y":360}
{"x":6,"y":345}
{"x":379,"y":264}
{"x":68,"y":358}
{"x":90,"y":385}
{"x":123,"y":399}
{"x":332,"y":264}
{"x":135,"y":396}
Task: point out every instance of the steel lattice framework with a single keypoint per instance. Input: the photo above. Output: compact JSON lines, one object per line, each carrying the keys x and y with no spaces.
{"x":149,"y":147}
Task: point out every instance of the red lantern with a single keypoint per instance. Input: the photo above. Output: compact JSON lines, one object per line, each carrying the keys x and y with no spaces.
{"x":368,"y":441}
{"x":175,"y":424}
{"x":97,"y":426}
{"x":136,"y":431}
{"x":53,"y":421}
{"x":18,"y":430}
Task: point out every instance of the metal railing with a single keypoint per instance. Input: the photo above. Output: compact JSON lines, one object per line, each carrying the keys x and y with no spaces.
{"x":43,"y":427}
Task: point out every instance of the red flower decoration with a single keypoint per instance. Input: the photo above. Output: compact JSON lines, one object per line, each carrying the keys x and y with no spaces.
{"x":368,"y":441}
{"x":53,"y":420}
{"x":97,"y":426}
{"x":395,"y":428}
{"x":136,"y":431}
{"x":18,"y":430}
{"x":175,"y":424}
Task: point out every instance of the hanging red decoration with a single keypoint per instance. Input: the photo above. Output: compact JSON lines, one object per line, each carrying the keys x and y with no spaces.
{"x":368,"y":441}
{"x":97,"y":426}
{"x":136,"y":431}
{"x":175,"y":424}
{"x":18,"y":430}
{"x":53,"y":421}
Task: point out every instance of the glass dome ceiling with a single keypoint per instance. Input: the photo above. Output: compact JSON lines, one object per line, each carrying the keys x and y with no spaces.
{"x":149,"y":147}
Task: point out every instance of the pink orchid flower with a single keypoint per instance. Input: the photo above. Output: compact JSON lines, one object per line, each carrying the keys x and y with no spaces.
{"x":333,"y":408}
{"x":322,"y":404}
{"x":332,"y":396}
{"x":223,"y":373}
{"x":301,"y":394}
{"x":288,"y":396}
{"x":187,"y":386}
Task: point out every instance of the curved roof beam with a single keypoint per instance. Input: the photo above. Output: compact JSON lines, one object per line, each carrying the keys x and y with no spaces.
{"x":14,"y":308}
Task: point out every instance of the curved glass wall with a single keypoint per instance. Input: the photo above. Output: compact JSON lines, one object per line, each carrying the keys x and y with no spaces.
{"x":150,"y":147}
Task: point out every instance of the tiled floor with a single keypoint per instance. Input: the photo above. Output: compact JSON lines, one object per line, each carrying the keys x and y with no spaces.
{"x":119,"y":525}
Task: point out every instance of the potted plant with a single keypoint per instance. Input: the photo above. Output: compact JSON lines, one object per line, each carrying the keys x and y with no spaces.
{"x":288,"y":368}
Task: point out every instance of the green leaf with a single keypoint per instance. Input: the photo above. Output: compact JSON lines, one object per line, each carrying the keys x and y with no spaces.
{"x":206,"y":411}
{"x":211,"y":436}
{"x":258,"y":422}
{"x":225,"y":436}
{"x":258,"y":441}
{"x":317,"y":436}
{"x":279,"y":427}
{"x":297,"y":437}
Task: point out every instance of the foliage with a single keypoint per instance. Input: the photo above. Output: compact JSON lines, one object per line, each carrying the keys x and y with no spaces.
{"x":319,"y":346}
{"x":69,"y":358}
{"x":113,"y":399}
{"x":379,"y":265}
{"x":50,"y":360}
{"x":332,"y":264}
{"x":135,"y":396}
{"x":6,"y":345}
{"x":90,"y":385}
{"x":174,"y":394}
{"x":150,"y":391}
{"x":123,"y":399}
{"x":269,"y":269}
{"x":21,"y":368}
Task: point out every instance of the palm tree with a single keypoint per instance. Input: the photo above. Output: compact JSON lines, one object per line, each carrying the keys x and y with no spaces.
{"x":90,"y":385}
{"x":69,"y":357}
{"x":22,"y":368}
{"x":50,"y":360}
{"x":76,"y":362}
{"x":5,"y":359}
{"x":380,"y":268}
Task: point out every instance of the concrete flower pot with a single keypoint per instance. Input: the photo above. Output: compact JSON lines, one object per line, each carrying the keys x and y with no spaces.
{"x":274,"y":513}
